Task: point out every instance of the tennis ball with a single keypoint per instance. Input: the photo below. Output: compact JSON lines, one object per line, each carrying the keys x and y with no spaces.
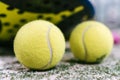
{"x":39,"y":45}
{"x":91,"y":42}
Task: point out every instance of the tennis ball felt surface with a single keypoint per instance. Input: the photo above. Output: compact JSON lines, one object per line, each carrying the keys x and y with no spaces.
{"x":91,"y":42}
{"x":39,"y":45}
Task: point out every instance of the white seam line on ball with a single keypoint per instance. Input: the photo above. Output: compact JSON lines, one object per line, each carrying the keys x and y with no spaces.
{"x":50,"y":48}
{"x":83,"y":40}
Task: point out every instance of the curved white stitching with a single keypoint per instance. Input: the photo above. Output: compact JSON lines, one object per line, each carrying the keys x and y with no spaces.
{"x":83,"y":41}
{"x":50,"y":48}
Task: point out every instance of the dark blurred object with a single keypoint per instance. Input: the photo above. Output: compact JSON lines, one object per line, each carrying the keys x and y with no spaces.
{"x":64,"y":13}
{"x":6,"y":50}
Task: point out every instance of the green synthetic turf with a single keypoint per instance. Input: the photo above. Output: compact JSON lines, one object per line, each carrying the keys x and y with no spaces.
{"x":67,"y":69}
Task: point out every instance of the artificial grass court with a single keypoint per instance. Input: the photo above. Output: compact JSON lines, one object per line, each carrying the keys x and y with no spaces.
{"x":67,"y":69}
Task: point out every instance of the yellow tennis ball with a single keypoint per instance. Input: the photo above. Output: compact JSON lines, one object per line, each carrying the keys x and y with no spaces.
{"x":39,"y":45}
{"x":91,"y":42}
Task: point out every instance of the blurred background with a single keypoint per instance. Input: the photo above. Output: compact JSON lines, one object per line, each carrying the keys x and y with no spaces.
{"x":107,"y":12}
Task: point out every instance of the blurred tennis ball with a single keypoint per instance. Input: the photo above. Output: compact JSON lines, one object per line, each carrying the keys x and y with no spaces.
{"x":91,"y":42}
{"x":39,"y":45}
{"x":64,"y":13}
